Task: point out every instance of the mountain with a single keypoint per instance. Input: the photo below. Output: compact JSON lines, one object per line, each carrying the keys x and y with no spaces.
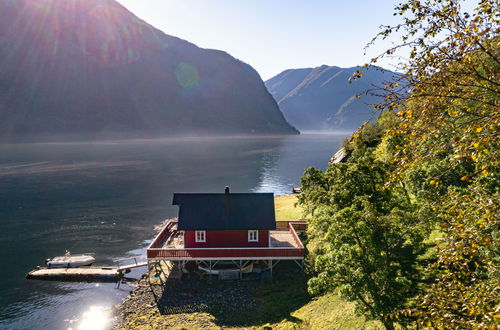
{"x":322,"y":99}
{"x":92,"y":67}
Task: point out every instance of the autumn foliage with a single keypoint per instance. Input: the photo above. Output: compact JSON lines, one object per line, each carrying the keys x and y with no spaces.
{"x":441,"y":151}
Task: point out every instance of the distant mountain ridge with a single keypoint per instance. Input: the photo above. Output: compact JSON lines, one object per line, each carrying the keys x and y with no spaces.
{"x":321,"y":98}
{"x":92,"y":67}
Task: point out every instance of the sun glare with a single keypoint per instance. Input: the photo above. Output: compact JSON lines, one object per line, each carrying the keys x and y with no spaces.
{"x":94,"y":318}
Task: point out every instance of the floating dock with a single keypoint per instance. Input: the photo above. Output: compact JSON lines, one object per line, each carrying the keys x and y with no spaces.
{"x":80,"y":274}
{"x":86,"y":274}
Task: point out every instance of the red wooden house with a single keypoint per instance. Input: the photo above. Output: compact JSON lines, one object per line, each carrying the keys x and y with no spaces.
{"x":225,"y":220}
{"x":239,"y":227}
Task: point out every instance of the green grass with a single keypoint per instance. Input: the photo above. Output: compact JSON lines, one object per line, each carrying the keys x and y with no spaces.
{"x":284,"y":303}
{"x":285,"y":208}
{"x":327,"y":312}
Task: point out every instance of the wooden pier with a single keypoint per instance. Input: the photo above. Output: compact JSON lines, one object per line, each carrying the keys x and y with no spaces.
{"x":80,"y":274}
{"x":87,"y":274}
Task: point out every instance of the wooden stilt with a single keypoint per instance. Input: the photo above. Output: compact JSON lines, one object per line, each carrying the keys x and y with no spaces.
{"x":210,"y":269}
{"x":300,"y":263}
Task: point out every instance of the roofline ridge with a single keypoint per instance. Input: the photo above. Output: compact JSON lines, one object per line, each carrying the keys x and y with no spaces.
{"x":231,"y":193}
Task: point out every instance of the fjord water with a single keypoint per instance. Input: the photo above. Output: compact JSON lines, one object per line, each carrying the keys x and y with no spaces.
{"x":106,"y":198}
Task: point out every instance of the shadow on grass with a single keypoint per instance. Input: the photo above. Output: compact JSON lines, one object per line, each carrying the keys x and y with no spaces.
{"x":253,"y":301}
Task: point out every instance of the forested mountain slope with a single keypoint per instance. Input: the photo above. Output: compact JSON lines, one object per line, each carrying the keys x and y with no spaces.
{"x":322,"y":98}
{"x":92,"y":67}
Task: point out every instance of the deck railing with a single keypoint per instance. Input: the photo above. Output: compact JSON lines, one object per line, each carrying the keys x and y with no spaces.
{"x":163,"y":234}
{"x":296,"y":238}
{"x":299,"y":225}
{"x":155,"y":251}
{"x":235,"y":253}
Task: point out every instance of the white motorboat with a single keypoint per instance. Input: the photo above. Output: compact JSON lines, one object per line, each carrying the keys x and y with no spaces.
{"x":226,"y":268}
{"x":70,"y":260}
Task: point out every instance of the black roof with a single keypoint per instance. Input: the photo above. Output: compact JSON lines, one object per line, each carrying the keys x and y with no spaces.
{"x":226,"y":211}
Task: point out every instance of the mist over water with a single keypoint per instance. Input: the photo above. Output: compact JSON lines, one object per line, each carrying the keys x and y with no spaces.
{"x":105,"y":197}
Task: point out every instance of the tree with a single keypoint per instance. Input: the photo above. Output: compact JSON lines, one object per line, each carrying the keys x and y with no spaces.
{"x":436,"y":167}
{"x":447,"y":150}
{"x":453,"y":74}
{"x":364,"y":237}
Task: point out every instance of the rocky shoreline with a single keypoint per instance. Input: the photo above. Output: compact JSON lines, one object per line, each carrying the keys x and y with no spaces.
{"x":188,"y":303}
{"x":196,"y":302}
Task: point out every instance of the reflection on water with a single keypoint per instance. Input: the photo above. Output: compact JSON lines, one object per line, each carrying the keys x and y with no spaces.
{"x":94,"y":318}
{"x":106,"y":197}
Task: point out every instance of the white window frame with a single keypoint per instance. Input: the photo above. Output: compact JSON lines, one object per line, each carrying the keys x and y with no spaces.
{"x":200,"y":236}
{"x":252,"y":233}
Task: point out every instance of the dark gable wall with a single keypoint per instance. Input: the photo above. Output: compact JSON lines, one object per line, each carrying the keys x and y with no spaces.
{"x":226,"y":239}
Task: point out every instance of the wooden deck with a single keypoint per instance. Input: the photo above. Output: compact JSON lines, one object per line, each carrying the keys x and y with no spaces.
{"x":282,"y":238}
{"x":87,"y":274}
{"x":284,"y":244}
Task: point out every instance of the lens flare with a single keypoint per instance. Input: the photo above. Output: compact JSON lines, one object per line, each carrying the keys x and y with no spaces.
{"x":187,"y":76}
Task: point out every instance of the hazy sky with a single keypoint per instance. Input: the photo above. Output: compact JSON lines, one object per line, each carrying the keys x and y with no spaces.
{"x":274,"y":35}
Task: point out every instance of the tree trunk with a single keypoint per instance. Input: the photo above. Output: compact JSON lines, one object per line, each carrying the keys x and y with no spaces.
{"x":388,"y":325}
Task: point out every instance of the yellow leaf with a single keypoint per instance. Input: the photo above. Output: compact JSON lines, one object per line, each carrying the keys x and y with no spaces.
{"x":479,"y":129}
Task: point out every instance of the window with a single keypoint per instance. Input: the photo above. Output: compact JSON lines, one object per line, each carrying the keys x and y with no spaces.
{"x":253,"y":235}
{"x":200,"y":236}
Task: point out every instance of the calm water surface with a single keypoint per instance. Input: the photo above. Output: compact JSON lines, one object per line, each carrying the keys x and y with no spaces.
{"x":106,"y":197}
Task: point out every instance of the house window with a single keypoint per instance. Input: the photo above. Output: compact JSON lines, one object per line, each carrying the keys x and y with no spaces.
{"x":200,"y":236}
{"x":253,"y":235}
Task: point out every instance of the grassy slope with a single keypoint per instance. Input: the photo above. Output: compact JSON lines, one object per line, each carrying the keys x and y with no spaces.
{"x":327,"y":312}
{"x":285,"y":208}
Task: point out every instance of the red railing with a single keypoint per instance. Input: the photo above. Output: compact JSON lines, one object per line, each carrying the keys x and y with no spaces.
{"x":163,"y":234}
{"x":226,"y":253}
{"x":297,"y":224}
{"x":155,"y":251}
{"x":294,"y":234}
